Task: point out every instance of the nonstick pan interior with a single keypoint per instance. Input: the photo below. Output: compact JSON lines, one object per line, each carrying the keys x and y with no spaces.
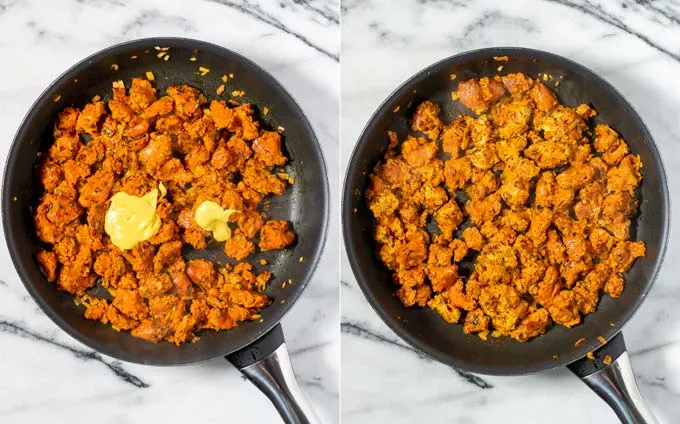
{"x":305,"y":204}
{"x":425,"y":329}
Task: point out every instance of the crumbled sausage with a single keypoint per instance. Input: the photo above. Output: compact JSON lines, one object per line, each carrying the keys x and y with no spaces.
{"x":275,"y":235}
{"x":132,"y":143}
{"x":544,"y":206}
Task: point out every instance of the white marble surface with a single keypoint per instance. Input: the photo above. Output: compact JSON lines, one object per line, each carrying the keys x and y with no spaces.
{"x":633,"y":44}
{"x":47,"y":377}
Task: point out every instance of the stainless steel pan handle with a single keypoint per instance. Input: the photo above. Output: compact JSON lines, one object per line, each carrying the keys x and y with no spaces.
{"x":615,"y":382}
{"x":267,"y":365}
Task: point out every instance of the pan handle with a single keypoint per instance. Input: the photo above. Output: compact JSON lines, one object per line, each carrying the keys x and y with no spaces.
{"x":267,"y":365}
{"x":615,"y":382}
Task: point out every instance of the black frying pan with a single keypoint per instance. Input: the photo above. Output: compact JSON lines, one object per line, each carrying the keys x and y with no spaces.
{"x":424,"y":329}
{"x":257,"y":348}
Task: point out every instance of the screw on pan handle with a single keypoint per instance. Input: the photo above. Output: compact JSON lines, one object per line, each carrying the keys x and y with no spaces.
{"x":614,"y":382}
{"x":267,"y":365}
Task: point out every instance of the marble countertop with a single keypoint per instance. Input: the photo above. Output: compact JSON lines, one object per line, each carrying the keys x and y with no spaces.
{"x":634,"y":45}
{"x":46,"y":376}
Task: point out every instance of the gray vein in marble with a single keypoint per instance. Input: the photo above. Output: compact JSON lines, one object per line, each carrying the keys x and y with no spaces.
{"x":385,"y":34}
{"x":600,"y":14}
{"x":347,"y":5}
{"x":658,"y":382}
{"x":43,"y":34}
{"x":443,"y":2}
{"x":653,"y":349}
{"x":358,"y":330}
{"x":494,"y":17}
{"x":98,"y":2}
{"x":327,"y":13}
{"x":15,"y":328}
{"x":5,"y":5}
{"x":148,"y":17}
{"x":309,"y":348}
{"x":316,"y":383}
{"x":256,"y":12}
{"x":651,"y":5}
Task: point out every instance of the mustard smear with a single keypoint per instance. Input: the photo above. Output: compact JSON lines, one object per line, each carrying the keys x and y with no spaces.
{"x":131,"y":219}
{"x":211,"y":217}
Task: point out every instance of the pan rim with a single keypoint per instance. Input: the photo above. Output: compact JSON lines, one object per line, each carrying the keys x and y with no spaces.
{"x":393,"y":323}
{"x":150,"y":42}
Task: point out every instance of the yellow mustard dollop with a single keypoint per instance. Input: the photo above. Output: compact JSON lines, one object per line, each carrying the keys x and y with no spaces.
{"x":131,"y":219}
{"x":211,"y":217}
